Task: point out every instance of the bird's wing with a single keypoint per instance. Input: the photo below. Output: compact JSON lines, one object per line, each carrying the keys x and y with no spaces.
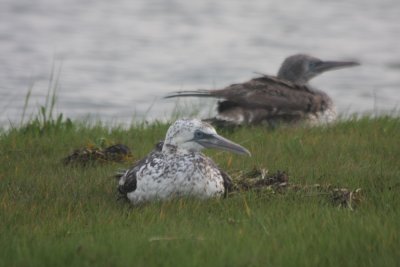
{"x":271,"y":94}
{"x":128,"y":178}
{"x":266,"y":92}
{"x":128,"y":181}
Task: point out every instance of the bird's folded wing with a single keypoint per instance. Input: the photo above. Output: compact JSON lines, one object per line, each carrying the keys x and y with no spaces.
{"x":267,"y":94}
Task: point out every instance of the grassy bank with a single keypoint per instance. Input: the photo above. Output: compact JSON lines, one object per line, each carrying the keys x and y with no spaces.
{"x":56,"y":215}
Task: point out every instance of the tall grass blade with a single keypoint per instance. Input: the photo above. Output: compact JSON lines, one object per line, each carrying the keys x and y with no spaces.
{"x":50,"y":85}
{"x":54,"y":93}
{"x":26,"y":102}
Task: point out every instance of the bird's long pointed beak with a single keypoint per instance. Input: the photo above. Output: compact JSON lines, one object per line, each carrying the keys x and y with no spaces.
{"x":219,"y":142}
{"x":334,"y":65}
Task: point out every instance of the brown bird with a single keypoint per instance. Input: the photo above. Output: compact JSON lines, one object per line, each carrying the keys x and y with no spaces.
{"x":286,"y":97}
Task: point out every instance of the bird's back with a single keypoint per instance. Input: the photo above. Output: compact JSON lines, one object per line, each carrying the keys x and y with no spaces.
{"x":267,"y":98}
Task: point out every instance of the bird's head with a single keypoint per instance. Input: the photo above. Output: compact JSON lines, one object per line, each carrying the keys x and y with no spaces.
{"x":194,"y":135}
{"x":301,"y":68}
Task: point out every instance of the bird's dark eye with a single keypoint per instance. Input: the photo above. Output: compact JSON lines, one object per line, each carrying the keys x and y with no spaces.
{"x":313,"y":64}
{"x":198,"y":134}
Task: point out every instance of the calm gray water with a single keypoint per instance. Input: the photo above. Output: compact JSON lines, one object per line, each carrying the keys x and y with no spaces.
{"x":118,"y":58}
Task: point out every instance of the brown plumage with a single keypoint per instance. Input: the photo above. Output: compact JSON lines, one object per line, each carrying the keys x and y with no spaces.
{"x":285,"y":98}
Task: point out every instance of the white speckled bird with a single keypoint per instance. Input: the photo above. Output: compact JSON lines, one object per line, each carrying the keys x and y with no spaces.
{"x":178,"y":168}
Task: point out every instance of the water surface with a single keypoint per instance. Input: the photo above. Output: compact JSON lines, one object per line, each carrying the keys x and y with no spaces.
{"x":118,"y":58}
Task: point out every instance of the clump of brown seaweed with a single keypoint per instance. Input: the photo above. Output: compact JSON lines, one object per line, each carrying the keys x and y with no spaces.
{"x":259,"y":179}
{"x":91,"y":154}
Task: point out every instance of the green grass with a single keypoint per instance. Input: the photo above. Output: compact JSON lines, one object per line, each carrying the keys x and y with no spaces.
{"x":56,"y":215}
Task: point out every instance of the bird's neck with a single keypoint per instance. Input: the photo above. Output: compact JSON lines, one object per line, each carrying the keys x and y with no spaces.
{"x":173,"y":149}
{"x":293,"y":79}
{"x":169,"y":148}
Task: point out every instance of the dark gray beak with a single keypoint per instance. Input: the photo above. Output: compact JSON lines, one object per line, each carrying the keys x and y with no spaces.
{"x":334,"y":65}
{"x":219,"y":142}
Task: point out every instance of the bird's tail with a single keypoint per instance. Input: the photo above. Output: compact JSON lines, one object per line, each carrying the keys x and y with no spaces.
{"x":197,"y":93}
